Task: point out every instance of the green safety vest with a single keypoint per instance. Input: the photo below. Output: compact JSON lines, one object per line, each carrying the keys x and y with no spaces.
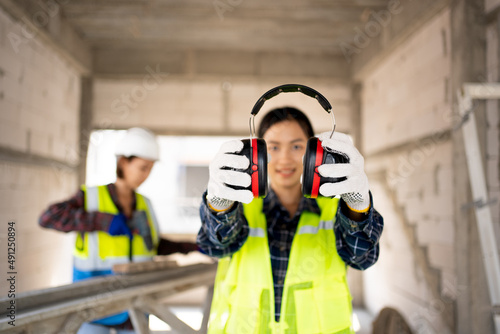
{"x":316,"y":298}
{"x":98,"y":251}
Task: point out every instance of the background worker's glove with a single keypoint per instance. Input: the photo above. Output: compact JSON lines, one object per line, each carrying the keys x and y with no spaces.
{"x":354,"y":190}
{"x":220,"y":197}
{"x":119,"y":226}
{"x":140,"y":225}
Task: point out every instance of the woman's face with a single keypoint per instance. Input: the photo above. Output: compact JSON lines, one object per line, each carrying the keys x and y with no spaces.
{"x":136,"y":171}
{"x":286,"y":144}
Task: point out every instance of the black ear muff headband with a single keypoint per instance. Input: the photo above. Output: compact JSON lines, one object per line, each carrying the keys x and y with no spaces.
{"x":291,"y":88}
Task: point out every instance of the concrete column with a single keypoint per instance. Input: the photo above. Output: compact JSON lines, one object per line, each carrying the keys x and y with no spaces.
{"x":355,"y":277}
{"x":85,"y":125}
{"x":356,"y":116}
{"x":468,"y":65}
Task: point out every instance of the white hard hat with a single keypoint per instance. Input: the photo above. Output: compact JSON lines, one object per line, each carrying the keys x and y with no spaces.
{"x":138,"y":142}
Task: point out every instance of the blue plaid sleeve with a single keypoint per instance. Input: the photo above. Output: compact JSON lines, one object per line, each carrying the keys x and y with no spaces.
{"x":358,"y":242}
{"x":223,"y":234}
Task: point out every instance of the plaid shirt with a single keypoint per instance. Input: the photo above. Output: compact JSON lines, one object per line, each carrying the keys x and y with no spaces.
{"x":223,"y":234}
{"x":70,"y":215}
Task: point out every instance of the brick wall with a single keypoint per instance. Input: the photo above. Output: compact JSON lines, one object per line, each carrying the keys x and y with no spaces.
{"x":39,"y":128}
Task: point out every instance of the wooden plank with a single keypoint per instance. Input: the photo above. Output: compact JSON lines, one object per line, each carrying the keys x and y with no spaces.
{"x":33,"y":299}
{"x":142,"y":267}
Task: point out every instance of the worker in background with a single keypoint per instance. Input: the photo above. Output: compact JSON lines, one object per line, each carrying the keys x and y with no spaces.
{"x":282,"y":266}
{"x":114,"y":223}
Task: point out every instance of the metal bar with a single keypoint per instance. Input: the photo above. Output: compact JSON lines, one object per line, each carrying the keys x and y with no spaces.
{"x":139,"y":320}
{"x":479,"y":188}
{"x":167,"y":316}
{"x":482,"y":90}
{"x":206,"y":309}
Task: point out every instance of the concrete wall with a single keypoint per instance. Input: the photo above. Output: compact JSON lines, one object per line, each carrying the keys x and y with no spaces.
{"x":406,"y":113}
{"x":431,"y":261}
{"x":39,"y":134}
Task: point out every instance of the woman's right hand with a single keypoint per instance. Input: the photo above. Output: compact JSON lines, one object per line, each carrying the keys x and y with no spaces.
{"x":220,"y":197}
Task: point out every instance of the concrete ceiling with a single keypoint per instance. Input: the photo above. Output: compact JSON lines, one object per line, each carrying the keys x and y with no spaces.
{"x":255,"y":38}
{"x":299,"y":26}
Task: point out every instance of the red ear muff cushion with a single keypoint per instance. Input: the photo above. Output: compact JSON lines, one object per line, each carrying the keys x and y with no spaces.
{"x":261,"y":172}
{"x":317,"y":162}
{"x":256,"y":151}
{"x":312,"y":159}
{"x":255,"y":168}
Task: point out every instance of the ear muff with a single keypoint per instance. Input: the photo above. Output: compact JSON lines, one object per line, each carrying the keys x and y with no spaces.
{"x":310,"y":176}
{"x":314,"y":157}
{"x":255,"y":149}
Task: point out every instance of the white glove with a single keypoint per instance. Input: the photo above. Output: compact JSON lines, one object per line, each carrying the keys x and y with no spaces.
{"x":219,"y":196}
{"x":354,"y":190}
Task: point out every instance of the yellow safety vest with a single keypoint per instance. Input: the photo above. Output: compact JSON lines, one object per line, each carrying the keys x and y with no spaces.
{"x":316,"y":298}
{"x":98,"y":251}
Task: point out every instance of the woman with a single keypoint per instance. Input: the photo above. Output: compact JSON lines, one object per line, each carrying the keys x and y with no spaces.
{"x":283,"y":258}
{"x":114,"y":223}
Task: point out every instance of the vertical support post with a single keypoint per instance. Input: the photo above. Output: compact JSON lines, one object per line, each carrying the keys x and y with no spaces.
{"x":480,"y":198}
{"x":356,"y":116}
{"x":226,"y":101}
{"x":355,"y":277}
{"x":468,"y":64}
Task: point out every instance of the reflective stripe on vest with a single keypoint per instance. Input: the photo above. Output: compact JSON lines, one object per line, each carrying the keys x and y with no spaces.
{"x":315,"y":298}
{"x":323,"y":225}
{"x":99,"y":251}
{"x":256,"y":232}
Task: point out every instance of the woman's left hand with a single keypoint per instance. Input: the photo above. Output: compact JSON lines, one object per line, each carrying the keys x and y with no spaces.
{"x":354,"y":190}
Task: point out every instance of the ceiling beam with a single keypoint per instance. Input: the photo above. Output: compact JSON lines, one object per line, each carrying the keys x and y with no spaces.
{"x":220,"y":62}
{"x":147,"y":4}
{"x":209,"y":13}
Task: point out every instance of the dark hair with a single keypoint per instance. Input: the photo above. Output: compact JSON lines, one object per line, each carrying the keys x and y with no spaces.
{"x":119,"y":171}
{"x":285,"y":114}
